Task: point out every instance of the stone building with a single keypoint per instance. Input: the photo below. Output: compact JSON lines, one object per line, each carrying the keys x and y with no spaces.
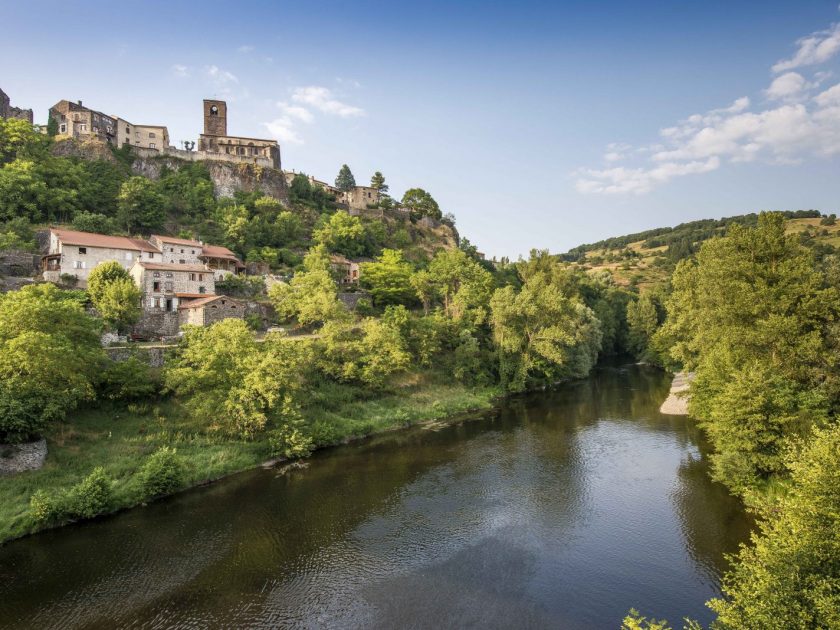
{"x":165,"y":286}
{"x":76,"y":253}
{"x":144,"y":136}
{"x":360,"y":197}
{"x":209,"y":310}
{"x":215,"y":138}
{"x":216,"y":258}
{"x":74,"y":120}
{"x":7,"y":111}
{"x":347,"y":271}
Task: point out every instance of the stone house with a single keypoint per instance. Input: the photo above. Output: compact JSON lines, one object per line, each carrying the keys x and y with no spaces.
{"x":215,"y":138}
{"x":76,"y":253}
{"x":165,"y":286}
{"x":346,"y":270}
{"x":7,"y":111}
{"x":222,"y":261}
{"x":360,"y":197}
{"x":74,"y":120}
{"x":144,"y":136}
{"x":209,"y":310}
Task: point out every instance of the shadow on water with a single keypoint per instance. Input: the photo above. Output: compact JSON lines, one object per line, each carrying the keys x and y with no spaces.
{"x":558,"y":509}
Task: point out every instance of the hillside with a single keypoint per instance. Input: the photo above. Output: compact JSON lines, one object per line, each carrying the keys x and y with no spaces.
{"x":91,"y":186}
{"x":646,"y":259}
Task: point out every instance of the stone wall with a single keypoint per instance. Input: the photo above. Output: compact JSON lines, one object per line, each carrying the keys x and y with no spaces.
{"x":14,"y":262}
{"x":157,"y":323}
{"x":16,"y":458}
{"x":154,"y":356}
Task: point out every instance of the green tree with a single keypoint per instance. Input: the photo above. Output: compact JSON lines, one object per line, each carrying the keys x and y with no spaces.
{"x":644,"y":317}
{"x":790,"y":576}
{"x":378,"y":182}
{"x":50,"y":358}
{"x":421,"y":204}
{"x":542,"y":336}
{"x":114,"y":294}
{"x":311,"y":296}
{"x":341,"y":233}
{"x":345,"y":181}
{"x":389,"y":278}
{"x":139,"y":205}
{"x":752,"y":305}
{"x":92,"y":222}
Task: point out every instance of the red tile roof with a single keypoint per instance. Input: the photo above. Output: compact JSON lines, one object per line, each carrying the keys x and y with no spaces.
{"x":177,"y":241}
{"x":196,"y":295}
{"x":173,"y":267}
{"x":89,"y":239}
{"x":217,"y":251}
{"x":205,"y":300}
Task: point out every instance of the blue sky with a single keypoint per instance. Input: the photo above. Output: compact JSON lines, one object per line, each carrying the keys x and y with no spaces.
{"x":538,"y":124}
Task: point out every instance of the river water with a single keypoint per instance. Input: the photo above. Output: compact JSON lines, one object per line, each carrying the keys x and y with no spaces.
{"x":561,"y":509}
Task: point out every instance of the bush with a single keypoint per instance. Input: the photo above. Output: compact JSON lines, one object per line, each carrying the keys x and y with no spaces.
{"x":131,"y":379}
{"x":831,"y":219}
{"x":163,"y":473}
{"x":91,"y":497}
{"x":290,"y":441}
{"x":24,"y":415}
{"x":44,"y":508}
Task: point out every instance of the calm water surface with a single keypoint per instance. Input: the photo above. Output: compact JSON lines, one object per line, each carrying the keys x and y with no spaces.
{"x":557,"y":510}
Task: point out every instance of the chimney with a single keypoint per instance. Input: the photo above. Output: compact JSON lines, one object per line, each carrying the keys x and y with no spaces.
{"x":79,"y":102}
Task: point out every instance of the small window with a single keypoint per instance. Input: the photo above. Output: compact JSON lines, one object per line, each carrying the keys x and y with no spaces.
{"x":83,"y":250}
{"x":168,"y":274}
{"x":78,"y":264}
{"x":182,"y":262}
{"x":192,"y":277}
{"x":200,"y":277}
{"x":151,"y":134}
{"x":201,"y":289}
{"x":182,"y":251}
{"x":156,"y":285}
{"x":62,"y":128}
{"x":156,"y":274}
{"x":193,"y":252}
{"x":152,"y":145}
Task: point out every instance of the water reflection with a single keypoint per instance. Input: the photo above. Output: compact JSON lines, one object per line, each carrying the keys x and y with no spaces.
{"x":561,"y":509}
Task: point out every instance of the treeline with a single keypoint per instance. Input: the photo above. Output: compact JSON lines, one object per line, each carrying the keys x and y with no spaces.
{"x":38,"y":187}
{"x":681,"y":237}
{"x":755,"y":316}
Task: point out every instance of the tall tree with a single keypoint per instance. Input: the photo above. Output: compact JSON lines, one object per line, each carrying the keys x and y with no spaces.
{"x":345,"y":180}
{"x":421,"y":204}
{"x":114,"y":294}
{"x":378,"y":182}
{"x":389,"y":278}
{"x":139,"y":205}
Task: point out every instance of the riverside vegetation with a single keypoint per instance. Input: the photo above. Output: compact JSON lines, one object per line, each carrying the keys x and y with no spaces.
{"x":752,"y":310}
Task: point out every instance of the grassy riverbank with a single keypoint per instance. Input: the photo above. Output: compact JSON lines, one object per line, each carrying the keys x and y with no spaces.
{"x":120,"y":440}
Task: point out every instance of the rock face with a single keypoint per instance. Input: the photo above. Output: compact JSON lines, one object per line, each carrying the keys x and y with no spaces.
{"x":16,"y":458}
{"x":227,"y":177}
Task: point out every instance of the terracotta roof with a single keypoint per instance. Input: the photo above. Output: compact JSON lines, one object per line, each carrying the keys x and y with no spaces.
{"x":217,"y":251}
{"x":177,"y":241}
{"x":173,"y":267}
{"x":195,"y":295}
{"x":89,"y":239}
{"x":205,"y":300}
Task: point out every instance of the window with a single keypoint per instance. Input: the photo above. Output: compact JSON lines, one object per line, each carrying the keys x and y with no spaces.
{"x":128,"y":129}
{"x":152,"y":145}
{"x":83,"y":250}
{"x":62,"y":128}
{"x":95,"y":129}
{"x":167,"y":286}
{"x":201,"y":277}
{"x":156,"y":285}
{"x":82,"y":127}
{"x":78,"y":264}
{"x":136,"y":134}
{"x":151,"y":255}
{"x":182,"y":262}
{"x":156,"y":274}
{"x":168,"y":274}
{"x":151,"y":134}
{"x":201,"y":289}
{"x":193,"y":252}
{"x":182,"y":251}
{"x":192,"y":277}
{"x":171,"y":249}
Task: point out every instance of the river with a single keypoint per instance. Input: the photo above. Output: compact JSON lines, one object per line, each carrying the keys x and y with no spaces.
{"x":558,"y":509}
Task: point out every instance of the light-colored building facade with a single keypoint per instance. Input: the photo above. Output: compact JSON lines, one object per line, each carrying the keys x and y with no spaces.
{"x":360,"y":197}
{"x":144,"y":136}
{"x":77,"y":253}
{"x":166,"y":286}
{"x":74,"y":120}
{"x":220,"y":260}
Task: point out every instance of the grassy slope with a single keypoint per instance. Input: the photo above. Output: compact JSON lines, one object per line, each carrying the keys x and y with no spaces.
{"x":120,"y":440}
{"x":649,"y":275}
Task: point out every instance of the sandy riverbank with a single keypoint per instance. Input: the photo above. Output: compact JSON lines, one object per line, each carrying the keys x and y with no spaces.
{"x":677,"y":402}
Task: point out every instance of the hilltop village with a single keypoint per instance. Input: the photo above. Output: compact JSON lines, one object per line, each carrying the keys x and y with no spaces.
{"x":183,"y":278}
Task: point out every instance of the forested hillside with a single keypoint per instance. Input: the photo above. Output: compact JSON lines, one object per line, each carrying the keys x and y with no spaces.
{"x":97,"y":188}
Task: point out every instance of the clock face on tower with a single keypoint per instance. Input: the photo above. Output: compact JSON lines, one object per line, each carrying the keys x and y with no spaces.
{"x":214,"y":110}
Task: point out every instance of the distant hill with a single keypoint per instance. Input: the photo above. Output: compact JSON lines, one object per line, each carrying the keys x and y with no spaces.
{"x":646,"y":259}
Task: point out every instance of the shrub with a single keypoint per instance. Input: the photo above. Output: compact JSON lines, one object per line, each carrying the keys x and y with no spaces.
{"x":131,"y":379}
{"x":45,"y":508}
{"x":90,"y":497}
{"x":290,"y":441}
{"x":163,"y":472}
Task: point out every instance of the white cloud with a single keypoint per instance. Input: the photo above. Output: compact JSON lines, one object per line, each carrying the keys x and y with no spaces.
{"x":295,"y":111}
{"x":220,"y":76}
{"x":787,"y":85}
{"x":795,"y":128}
{"x":283,"y":129}
{"x":815,"y":48}
{"x":322,"y":99}
{"x":245,"y":49}
{"x":179,"y":70}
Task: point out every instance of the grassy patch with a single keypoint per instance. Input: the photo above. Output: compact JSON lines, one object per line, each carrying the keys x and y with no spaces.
{"x":121,"y":440}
